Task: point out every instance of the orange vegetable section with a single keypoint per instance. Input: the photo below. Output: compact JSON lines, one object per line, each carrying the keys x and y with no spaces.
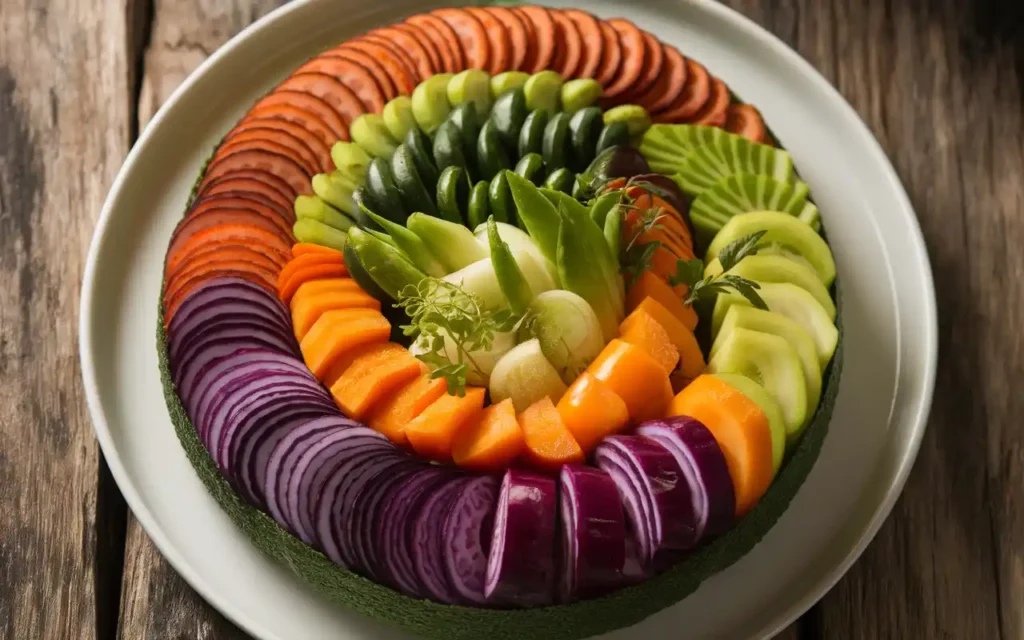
{"x":648,"y":285}
{"x":549,"y":444}
{"x":337,"y":333}
{"x":635,"y":377}
{"x":306,"y":267}
{"x":393,"y":413}
{"x":375,"y":371}
{"x":691,"y":359}
{"x":492,"y":442}
{"x":741,"y":429}
{"x":591,"y":411}
{"x":432,"y":433}
{"x":640,"y":328}
{"x":309,"y":304}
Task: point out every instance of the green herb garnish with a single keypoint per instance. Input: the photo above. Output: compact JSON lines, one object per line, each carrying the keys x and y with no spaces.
{"x":691,"y":273}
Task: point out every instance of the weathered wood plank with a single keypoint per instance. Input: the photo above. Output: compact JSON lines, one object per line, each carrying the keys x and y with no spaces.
{"x":155,"y":602}
{"x":65,"y":107}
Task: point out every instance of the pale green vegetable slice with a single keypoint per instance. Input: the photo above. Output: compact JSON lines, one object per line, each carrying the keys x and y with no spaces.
{"x":480,"y":280}
{"x":525,"y":375}
{"x":507,"y":81}
{"x":370,"y":133}
{"x":779,"y":268}
{"x":471,"y":85}
{"x":481,"y":362}
{"x":568,"y":330}
{"x":335,"y":190}
{"x":634,"y":116}
{"x":398,"y":117}
{"x":453,"y":244}
{"x":350,"y":160}
{"x":316,"y":232}
{"x":544,"y":91}
{"x":316,"y":209}
{"x":580,"y":93}
{"x":430,"y":104}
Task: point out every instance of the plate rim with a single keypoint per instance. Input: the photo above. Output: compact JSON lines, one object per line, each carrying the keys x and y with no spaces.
{"x":916,"y":422}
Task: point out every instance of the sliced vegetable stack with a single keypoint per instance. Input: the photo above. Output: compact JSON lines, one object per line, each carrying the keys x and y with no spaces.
{"x":501,"y":307}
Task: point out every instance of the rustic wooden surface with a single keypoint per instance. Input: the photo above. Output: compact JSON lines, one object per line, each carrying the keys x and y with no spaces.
{"x":939,"y":82}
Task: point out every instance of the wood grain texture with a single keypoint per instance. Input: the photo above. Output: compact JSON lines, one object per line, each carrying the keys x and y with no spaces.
{"x":65,"y":104}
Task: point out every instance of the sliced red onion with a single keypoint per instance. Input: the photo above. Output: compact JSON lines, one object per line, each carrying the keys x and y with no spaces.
{"x":465,"y":538}
{"x":428,"y":540}
{"x":593,"y":532}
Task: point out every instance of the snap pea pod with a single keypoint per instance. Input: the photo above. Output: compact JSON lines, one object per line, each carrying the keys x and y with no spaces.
{"x":510,"y":277}
{"x":613,"y":228}
{"x":386,"y":265}
{"x":362,"y":200}
{"x":316,"y":232}
{"x":334,"y":190}
{"x":362,"y":276}
{"x":536,"y":213}
{"x":479,"y":207}
{"x":453,"y":189}
{"x":454,"y":245}
{"x":315,"y":208}
{"x":411,"y":245}
{"x":383,"y":237}
{"x":603,"y":205}
{"x":601,"y":255}
{"x":577,"y":272}
{"x":350,"y":160}
{"x":499,"y":197}
{"x":370,"y":133}
{"x":558,"y":198}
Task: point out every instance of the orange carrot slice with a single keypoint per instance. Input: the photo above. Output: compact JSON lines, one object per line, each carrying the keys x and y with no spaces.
{"x":713,"y":113}
{"x":432,"y":432}
{"x":302,"y":109}
{"x":591,"y":39}
{"x":693,"y":96}
{"x":633,"y":46}
{"x":402,"y":75}
{"x":492,"y":442}
{"x":308,"y":309}
{"x":331,"y":90}
{"x":635,"y":377}
{"x":518,"y":38}
{"x":306,"y":248}
{"x":643,"y":330}
{"x":648,"y":285}
{"x":498,"y":39}
{"x":654,"y":66}
{"x":670,"y":82}
{"x":405,"y":41}
{"x":745,"y":120}
{"x":542,"y":43}
{"x":549,"y":444}
{"x":691,"y":359}
{"x":472,"y":36}
{"x":290,"y":171}
{"x":305,"y":274}
{"x":569,"y":53}
{"x":741,"y":429}
{"x":375,"y":371}
{"x":392,"y":415}
{"x":336,"y":333}
{"x":591,"y":411}
{"x":611,"y":55}
{"x":444,"y":39}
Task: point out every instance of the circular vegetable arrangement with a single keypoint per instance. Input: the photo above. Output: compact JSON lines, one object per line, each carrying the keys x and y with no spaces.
{"x":436,"y":309}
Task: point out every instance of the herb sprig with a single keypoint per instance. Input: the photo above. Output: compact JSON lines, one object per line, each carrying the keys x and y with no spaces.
{"x":691,"y":273}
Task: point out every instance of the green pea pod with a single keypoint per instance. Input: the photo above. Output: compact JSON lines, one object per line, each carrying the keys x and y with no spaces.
{"x":385,"y":263}
{"x":411,"y":245}
{"x":531,"y":167}
{"x":316,"y":232}
{"x":499,"y":197}
{"x":335,"y":191}
{"x":510,"y":277}
{"x":613,"y":227}
{"x":536,"y":213}
{"x":454,"y":245}
{"x":361,"y":198}
{"x":314,"y":208}
{"x":577,"y":273}
{"x":362,"y":276}
{"x":453,"y":189}
{"x":603,"y":205}
{"x":479,"y":206}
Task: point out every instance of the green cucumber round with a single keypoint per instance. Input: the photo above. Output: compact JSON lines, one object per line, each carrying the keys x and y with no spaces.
{"x":398,"y":117}
{"x":466,"y":120}
{"x":555,"y":148}
{"x":531,"y":135}
{"x":584,"y":130}
{"x":419,"y":144}
{"x":411,"y":190}
{"x":472,"y":86}
{"x":499,"y":197}
{"x":561,"y":179}
{"x":491,"y":156}
{"x":508,"y":115}
{"x":383,"y":192}
{"x":448,"y":147}
{"x":453,"y":189}
{"x":531,"y":167}
{"x":580,"y":93}
{"x":479,"y":205}
{"x":613,"y":134}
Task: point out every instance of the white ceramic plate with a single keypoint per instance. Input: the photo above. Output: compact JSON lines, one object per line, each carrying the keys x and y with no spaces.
{"x":889,"y":318}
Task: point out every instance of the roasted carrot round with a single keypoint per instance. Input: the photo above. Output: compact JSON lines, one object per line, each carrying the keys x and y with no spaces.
{"x":200,"y":272}
{"x":542,"y":27}
{"x":399,"y":408}
{"x":429,"y":48}
{"x":569,"y":52}
{"x":374,"y":372}
{"x":376,"y":69}
{"x":318,"y":151}
{"x":549,"y":445}
{"x":264,"y":135}
{"x":491,"y":442}
{"x":591,"y":411}
{"x":254,"y":182}
{"x":407,"y":42}
{"x":432,"y":433}
{"x":219,"y":252}
{"x":518,"y":39}
{"x":309,"y":166}
{"x":171,"y":305}
{"x":741,"y":429}
{"x":309,"y":112}
{"x":354,"y":76}
{"x":329,"y":89}
{"x":745,"y":120}
{"x":216,"y":217}
{"x":444,"y":39}
{"x":282,"y":166}
{"x":281,"y":217}
{"x":414,"y":66}
{"x":473,"y":38}
{"x":695,"y":93}
{"x":611,"y":55}
{"x":257,"y":238}
{"x":591,"y":40}
{"x":654,"y":66}
{"x":499,"y":43}
{"x":402,"y":76}
{"x":669,"y":84}
{"x":634,"y":50}
{"x":713,"y":113}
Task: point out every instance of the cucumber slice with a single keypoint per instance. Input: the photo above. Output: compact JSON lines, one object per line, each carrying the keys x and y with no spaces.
{"x":491,"y":156}
{"x":525,"y":375}
{"x":508,"y":115}
{"x":729,"y":154}
{"x":543,"y":90}
{"x":745,"y":192}
{"x":555,"y":147}
{"x":612,"y":135}
{"x":560,"y":180}
{"x":316,"y":232}
{"x":784,"y":235}
{"x":430,"y":106}
{"x":315,"y":208}
{"x":420,"y":144}
{"x":471,"y":86}
{"x":448,"y":147}
{"x":350,"y":160}
{"x":507,"y":81}
{"x":370,"y":133}
{"x":499,"y":197}
{"x":539,"y":272}
{"x":531,"y":136}
{"x":453,"y":189}
{"x":580,"y":93}
{"x":466,"y":120}
{"x":335,"y":191}
{"x":666,"y":145}
{"x":531,"y":167}
{"x":776,"y":268}
{"x":479,"y":206}
{"x":381,"y":188}
{"x":778,"y":325}
{"x":585,"y":128}
{"x":480,"y":280}
{"x":411,"y":190}
{"x":635,"y":117}
{"x":452,"y":243}
{"x":771,"y":408}
{"x":398,"y":117}
{"x":568,"y":331}
{"x":771,"y":362}
{"x":793,"y":302}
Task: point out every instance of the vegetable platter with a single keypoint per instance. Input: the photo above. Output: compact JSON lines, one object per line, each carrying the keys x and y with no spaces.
{"x":479,"y":335}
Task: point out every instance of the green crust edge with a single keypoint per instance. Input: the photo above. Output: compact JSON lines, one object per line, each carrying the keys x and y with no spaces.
{"x":429,"y":619}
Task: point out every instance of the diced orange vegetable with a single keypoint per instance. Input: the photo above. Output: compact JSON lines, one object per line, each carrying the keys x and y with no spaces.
{"x":305,"y":248}
{"x":324,"y":285}
{"x":642,"y":199}
{"x":492,"y":442}
{"x":375,"y":371}
{"x":308,"y":309}
{"x":741,"y":429}
{"x":392,"y":415}
{"x":649,"y":285}
{"x":549,"y":444}
{"x":643,"y":330}
{"x":336,"y":333}
{"x":691,"y":359}
{"x":591,"y":411}
{"x":432,"y":432}
{"x":310,"y":266}
{"x":635,"y":377}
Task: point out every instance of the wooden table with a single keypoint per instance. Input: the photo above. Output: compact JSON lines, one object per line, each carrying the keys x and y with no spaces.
{"x":941,"y":84}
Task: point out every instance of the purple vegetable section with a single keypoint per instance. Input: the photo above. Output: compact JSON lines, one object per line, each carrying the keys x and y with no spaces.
{"x":465,"y":532}
{"x":428,"y":541}
{"x":702,"y":462}
{"x":366,"y":510}
{"x":654,"y":491}
{"x":593,"y":533}
{"x":520,"y":567}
